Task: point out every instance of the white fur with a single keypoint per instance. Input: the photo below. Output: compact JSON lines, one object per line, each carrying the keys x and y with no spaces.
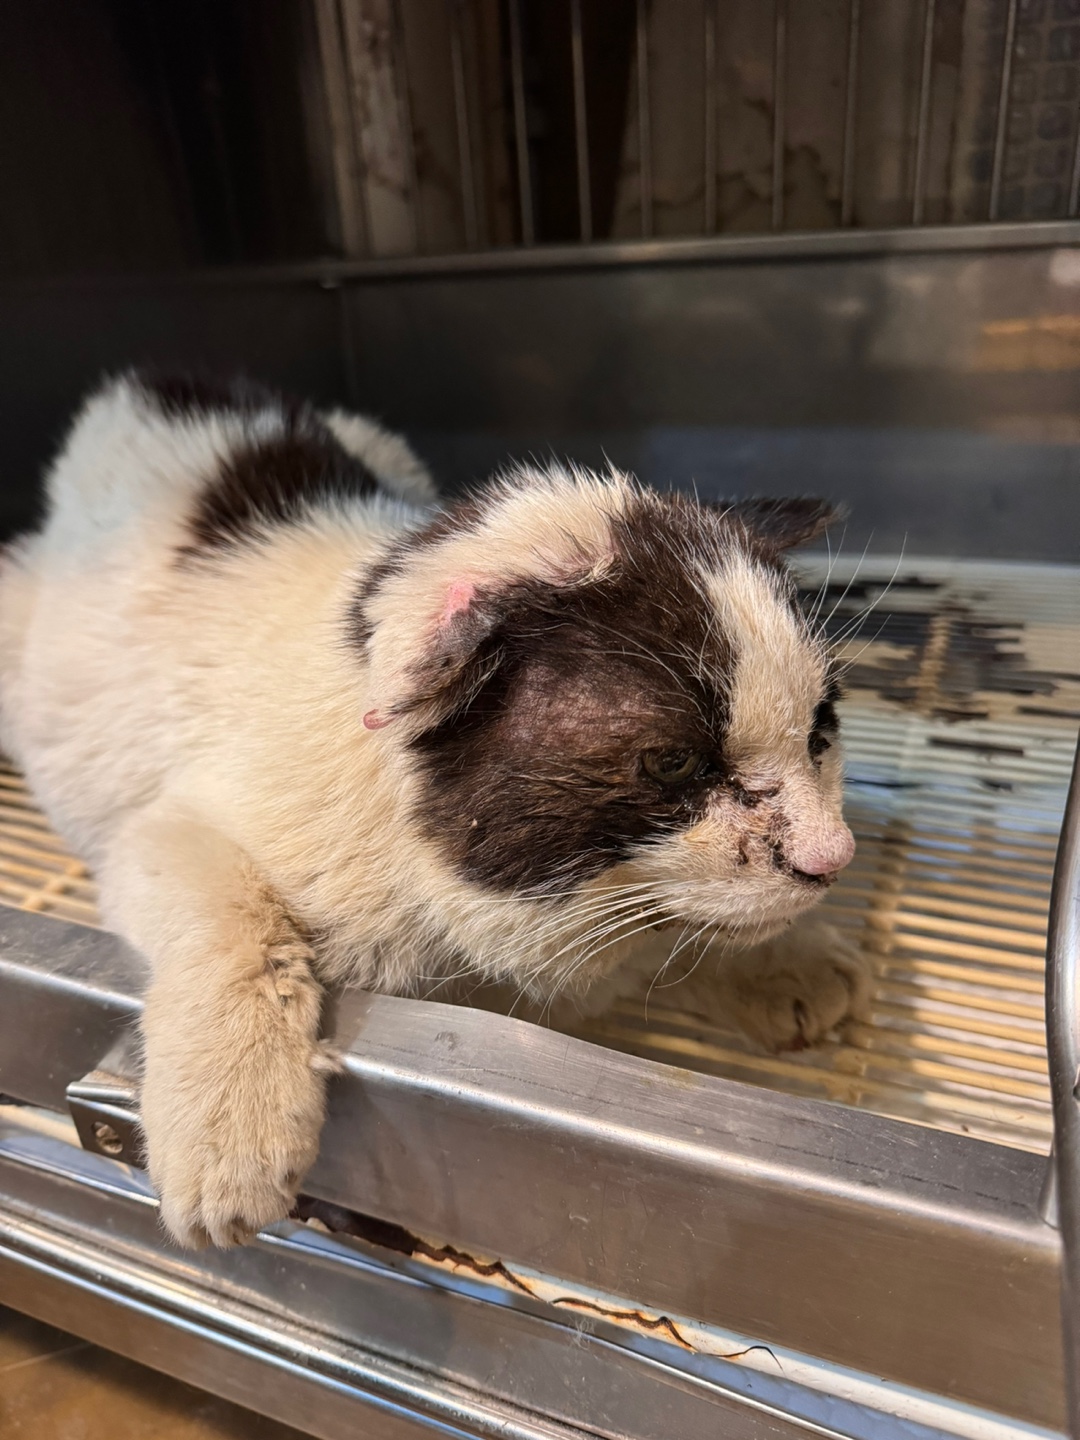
{"x":195,"y":731}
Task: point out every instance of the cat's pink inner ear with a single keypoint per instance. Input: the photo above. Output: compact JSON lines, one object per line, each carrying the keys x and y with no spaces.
{"x":374,"y":721}
{"x":459,"y":597}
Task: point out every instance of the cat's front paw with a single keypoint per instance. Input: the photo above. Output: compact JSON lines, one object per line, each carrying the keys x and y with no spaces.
{"x":789,"y":993}
{"x":232,"y":1118}
{"x":224,"y":1188}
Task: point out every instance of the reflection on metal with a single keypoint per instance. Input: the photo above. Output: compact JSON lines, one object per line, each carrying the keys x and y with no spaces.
{"x":521,"y":130}
{"x":779,"y":98}
{"x":581,"y":124}
{"x":1063,"y":1030}
{"x":851,"y":101}
{"x":641,"y":59}
{"x":922,"y":132}
{"x":1001,"y":129}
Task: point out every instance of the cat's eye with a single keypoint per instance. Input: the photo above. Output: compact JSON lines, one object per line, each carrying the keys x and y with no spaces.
{"x":825,"y":723}
{"x":672,"y":766}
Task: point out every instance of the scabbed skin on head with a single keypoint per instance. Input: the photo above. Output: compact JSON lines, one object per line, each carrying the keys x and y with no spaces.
{"x":604,"y":686}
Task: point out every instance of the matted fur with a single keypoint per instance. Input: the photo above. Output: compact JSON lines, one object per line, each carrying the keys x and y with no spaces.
{"x":557,"y":737}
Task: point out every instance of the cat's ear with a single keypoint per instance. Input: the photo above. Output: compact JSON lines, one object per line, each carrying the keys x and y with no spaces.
{"x":447,"y":663}
{"x":434,"y":624}
{"x":784,"y":523}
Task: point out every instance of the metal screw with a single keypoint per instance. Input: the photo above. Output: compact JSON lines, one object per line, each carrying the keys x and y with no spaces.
{"x":108,"y":1140}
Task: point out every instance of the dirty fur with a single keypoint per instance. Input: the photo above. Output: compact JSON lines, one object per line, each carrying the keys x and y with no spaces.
{"x":560,"y":738}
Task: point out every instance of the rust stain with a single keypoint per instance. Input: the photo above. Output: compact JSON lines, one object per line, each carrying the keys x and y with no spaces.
{"x":389,"y":1236}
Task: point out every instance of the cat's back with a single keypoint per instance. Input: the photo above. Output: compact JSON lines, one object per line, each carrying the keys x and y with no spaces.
{"x":144,"y":597}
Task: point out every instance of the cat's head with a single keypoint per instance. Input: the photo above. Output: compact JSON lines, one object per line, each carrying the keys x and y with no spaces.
{"x":600,"y":686}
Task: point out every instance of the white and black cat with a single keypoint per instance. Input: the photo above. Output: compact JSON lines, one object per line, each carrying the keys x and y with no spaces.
{"x":310,"y":730}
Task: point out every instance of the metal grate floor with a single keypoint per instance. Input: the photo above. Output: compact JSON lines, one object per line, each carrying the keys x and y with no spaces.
{"x":960,"y":724}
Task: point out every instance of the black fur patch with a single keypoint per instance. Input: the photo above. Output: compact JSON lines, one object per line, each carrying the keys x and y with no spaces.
{"x":537,"y":780}
{"x":193,"y":396}
{"x":269,"y":480}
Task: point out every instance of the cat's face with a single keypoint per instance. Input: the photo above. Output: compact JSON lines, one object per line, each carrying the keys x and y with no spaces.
{"x":603,"y":687}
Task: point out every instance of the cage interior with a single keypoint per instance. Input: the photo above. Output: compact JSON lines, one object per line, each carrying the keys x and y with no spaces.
{"x":963,"y":692}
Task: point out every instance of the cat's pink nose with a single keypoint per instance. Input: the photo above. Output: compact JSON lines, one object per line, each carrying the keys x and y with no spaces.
{"x":822,"y":852}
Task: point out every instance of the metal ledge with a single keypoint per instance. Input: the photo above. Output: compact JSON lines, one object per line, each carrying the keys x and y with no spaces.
{"x":891,"y":1249}
{"x":714,"y":250}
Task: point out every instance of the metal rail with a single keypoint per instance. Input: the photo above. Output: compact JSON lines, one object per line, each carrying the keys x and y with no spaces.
{"x":464,"y":132}
{"x":780,"y":19}
{"x":851,"y":101}
{"x":763,"y":1215}
{"x":922,"y":133}
{"x":1001,"y":128}
{"x":581,"y":125}
{"x":1063,"y":1040}
{"x":521,"y":134}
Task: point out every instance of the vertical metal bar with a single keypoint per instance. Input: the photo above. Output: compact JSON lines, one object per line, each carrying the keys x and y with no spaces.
{"x":581,"y":123}
{"x":1002,"y":126}
{"x":1063,"y":1046}
{"x":922,"y":129}
{"x":464,"y":134}
{"x":521,"y":138}
{"x":779,"y":108}
{"x":644,"y":119}
{"x":401,"y":90}
{"x":1074,"y":187}
{"x":851,"y":100}
{"x":710,"y":117}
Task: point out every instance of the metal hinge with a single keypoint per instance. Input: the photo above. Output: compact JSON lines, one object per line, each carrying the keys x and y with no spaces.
{"x":105,"y":1108}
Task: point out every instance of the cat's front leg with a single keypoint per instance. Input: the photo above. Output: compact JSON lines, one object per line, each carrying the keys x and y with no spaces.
{"x":785,"y":994}
{"x":233,"y":1086}
{"x":789,"y":992}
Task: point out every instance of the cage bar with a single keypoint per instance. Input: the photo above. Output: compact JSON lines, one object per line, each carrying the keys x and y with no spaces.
{"x":521,"y":138}
{"x":851,"y":100}
{"x":922,"y":130}
{"x":779,"y":107}
{"x":345,"y":152}
{"x":464,"y":132}
{"x":644,"y":120}
{"x":408,"y":135}
{"x":581,"y":124}
{"x":1002,"y":125}
{"x":1074,"y":185}
{"x":710,"y":117}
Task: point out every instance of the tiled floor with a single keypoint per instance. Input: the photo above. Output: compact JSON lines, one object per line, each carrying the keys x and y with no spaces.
{"x":55,"y":1387}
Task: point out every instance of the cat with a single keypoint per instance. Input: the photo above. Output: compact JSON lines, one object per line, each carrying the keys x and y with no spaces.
{"x":310,"y":729}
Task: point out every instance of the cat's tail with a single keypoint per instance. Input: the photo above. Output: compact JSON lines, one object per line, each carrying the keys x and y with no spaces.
{"x":126,"y":459}
{"x":390,"y":459}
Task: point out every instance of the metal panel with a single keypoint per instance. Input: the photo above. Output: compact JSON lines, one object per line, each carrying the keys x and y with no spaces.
{"x":926,"y":380}
{"x":784,"y":1219}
